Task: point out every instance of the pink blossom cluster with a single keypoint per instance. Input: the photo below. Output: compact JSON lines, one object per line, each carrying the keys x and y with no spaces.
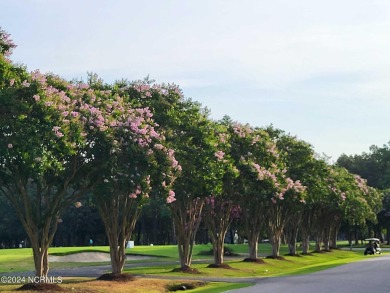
{"x":362,"y":184}
{"x":171,"y":196}
{"x":219,"y":155}
{"x":6,"y":44}
{"x":272,"y":149}
{"x":279,"y":180}
{"x":174,"y":163}
{"x":146,"y":90}
{"x":57,"y":132}
{"x":137,"y":192}
{"x":242,"y":130}
{"x":38,"y":76}
{"x":337,"y":192}
{"x":79,"y":109}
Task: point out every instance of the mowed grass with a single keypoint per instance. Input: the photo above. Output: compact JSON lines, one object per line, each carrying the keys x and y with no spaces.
{"x":271,"y":267}
{"x":19,"y":260}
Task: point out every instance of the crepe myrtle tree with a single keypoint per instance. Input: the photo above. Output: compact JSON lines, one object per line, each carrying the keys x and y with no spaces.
{"x":194,"y":142}
{"x":43,"y":151}
{"x":327,"y":204}
{"x":187,"y":129}
{"x":221,"y":207}
{"x":282,"y":194}
{"x":301,"y":163}
{"x":267,"y":195}
{"x":356,"y":203}
{"x":132,"y":161}
{"x":251,"y":146}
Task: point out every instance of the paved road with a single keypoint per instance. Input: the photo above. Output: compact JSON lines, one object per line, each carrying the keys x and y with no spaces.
{"x":371,"y":275}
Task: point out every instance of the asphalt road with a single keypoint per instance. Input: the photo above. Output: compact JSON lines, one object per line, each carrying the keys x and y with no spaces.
{"x":371,"y":275}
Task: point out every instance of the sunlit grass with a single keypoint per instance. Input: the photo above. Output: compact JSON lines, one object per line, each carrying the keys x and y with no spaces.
{"x":271,"y":267}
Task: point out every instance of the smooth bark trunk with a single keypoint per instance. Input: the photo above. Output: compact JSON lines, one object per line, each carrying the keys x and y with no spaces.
{"x":186,"y":219}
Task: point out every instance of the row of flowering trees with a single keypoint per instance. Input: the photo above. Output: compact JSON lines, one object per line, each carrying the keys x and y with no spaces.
{"x":127,"y":143}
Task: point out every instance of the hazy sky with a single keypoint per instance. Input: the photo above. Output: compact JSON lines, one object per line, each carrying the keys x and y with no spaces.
{"x":319,"y":70}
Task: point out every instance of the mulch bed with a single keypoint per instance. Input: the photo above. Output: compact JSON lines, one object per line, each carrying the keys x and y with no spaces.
{"x":254,"y":260}
{"x":40,"y":287}
{"x":275,"y":257}
{"x":186,"y":270}
{"x":290,"y":254}
{"x":220,"y":266}
{"x":116,"y":277}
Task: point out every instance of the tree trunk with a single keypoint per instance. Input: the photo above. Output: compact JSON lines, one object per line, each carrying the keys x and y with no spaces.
{"x":41,"y":263}
{"x":292,"y":234}
{"x":185,"y":253}
{"x":275,"y":242}
{"x":318,"y":242}
{"x":218,"y":219}
{"x":118,"y":256}
{"x":305,"y":242}
{"x":218,"y":247}
{"x":253,"y":245}
{"x":119,"y":215}
{"x":186,"y":220}
{"x":333,"y":236}
{"x":254,"y":222}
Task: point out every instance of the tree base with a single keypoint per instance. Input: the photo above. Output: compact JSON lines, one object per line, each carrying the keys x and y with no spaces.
{"x":275,"y":257}
{"x":254,"y":260}
{"x":292,"y":254}
{"x":116,"y":277}
{"x":40,"y":287}
{"x":307,"y":253}
{"x":186,"y":270}
{"x":219,"y":266}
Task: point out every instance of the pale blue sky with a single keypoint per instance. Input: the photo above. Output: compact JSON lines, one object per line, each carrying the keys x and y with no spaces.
{"x":316,"y":69}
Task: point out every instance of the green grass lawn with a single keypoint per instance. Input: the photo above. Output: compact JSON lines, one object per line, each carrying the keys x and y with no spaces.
{"x":20,"y":259}
{"x":271,"y":267}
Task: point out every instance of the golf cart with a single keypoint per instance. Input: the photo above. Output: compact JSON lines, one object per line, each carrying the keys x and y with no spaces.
{"x":373,"y":246}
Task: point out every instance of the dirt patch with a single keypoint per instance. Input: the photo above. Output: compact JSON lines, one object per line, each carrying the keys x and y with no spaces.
{"x":116,"y":277}
{"x":254,"y":260}
{"x":40,"y":287}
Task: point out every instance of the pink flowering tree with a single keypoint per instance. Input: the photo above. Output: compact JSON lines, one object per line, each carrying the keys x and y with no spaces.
{"x":349,"y":199}
{"x":268,"y":196}
{"x":131,"y":161}
{"x":252,"y":149}
{"x":198,"y":148}
{"x":221,"y":207}
{"x":301,"y":164}
{"x":43,"y":152}
{"x":194,"y":145}
{"x":188,"y":131}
